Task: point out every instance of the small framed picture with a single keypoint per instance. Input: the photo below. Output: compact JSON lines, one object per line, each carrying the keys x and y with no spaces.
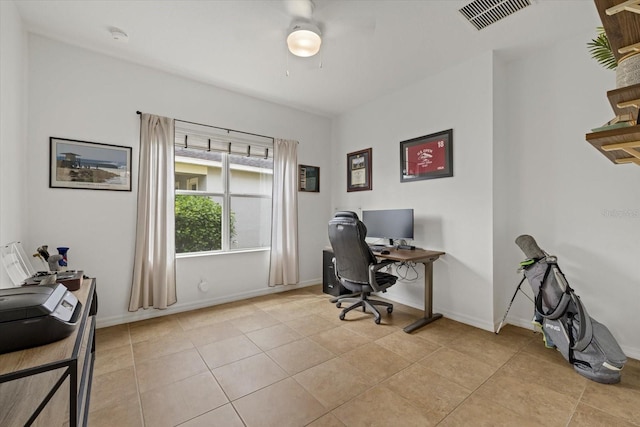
{"x":359,"y":170}
{"x":427,"y":157}
{"x":89,"y":165}
{"x":309,"y":178}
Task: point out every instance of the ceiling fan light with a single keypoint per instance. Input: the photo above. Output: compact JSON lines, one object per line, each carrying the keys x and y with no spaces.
{"x":304,"y":40}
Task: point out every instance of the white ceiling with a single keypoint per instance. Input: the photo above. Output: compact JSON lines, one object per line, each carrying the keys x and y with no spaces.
{"x":369,"y":47}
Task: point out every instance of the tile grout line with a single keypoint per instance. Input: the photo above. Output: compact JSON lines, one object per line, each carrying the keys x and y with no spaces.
{"x":575,"y":407}
{"x":478,"y":387}
{"x":210,"y":371}
{"x":135,"y":375}
{"x":518,"y":350}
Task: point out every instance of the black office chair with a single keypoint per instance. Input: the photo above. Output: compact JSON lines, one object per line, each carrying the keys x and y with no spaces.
{"x":355,"y":265}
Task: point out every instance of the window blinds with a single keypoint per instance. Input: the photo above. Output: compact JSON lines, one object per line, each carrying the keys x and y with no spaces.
{"x":211,"y":138}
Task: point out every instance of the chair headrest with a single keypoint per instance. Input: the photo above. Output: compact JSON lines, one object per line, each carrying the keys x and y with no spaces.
{"x":346,"y":214}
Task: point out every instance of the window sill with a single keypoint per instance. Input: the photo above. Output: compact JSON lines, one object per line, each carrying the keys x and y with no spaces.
{"x":218,"y":253}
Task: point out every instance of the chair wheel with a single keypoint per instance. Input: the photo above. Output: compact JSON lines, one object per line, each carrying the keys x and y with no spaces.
{"x":389,"y":310}
{"x":339,"y":305}
{"x":341,"y":316}
{"x":377,"y":321}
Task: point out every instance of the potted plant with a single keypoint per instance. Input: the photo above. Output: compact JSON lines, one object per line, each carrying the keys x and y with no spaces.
{"x":600,"y":50}
{"x":627,"y":68}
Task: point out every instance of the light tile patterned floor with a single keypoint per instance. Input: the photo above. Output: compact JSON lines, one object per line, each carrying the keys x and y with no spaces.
{"x":287,"y":360}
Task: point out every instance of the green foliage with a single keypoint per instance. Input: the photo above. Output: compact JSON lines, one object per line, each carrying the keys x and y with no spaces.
{"x":198,"y":224}
{"x":600,"y":50}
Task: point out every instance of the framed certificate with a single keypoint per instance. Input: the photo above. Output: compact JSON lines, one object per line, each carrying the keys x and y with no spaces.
{"x":309,"y":178}
{"x":359,"y":170}
{"x":427,"y":157}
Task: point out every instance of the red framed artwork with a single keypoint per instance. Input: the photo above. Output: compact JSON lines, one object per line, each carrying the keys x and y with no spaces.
{"x":427,"y":157}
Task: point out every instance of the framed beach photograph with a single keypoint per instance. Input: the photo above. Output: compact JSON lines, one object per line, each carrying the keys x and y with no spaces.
{"x":359,"y":170}
{"x":309,"y":178}
{"x":427,"y":157}
{"x":89,"y":165}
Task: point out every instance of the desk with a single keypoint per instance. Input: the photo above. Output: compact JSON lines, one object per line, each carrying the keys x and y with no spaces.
{"x":426,"y":257}
{"x":31,"y":380}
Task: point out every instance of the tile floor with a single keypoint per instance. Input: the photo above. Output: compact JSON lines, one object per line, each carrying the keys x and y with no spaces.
{"x":287,"y":360}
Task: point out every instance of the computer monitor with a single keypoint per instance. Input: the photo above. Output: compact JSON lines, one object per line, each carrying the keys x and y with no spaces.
{"x":389,"y":224}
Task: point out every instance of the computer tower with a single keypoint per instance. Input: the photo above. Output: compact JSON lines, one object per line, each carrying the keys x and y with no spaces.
{"x":331,"y":285}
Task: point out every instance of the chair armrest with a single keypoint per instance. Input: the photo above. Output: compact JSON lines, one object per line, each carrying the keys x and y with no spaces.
{"x":372,"y":277}
{"x":381,"y":264}
{"x":335,"y":269}
{"x":373,"y":268}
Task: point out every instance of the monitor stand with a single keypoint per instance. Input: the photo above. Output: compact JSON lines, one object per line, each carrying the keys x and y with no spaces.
{"x":390,"y":243}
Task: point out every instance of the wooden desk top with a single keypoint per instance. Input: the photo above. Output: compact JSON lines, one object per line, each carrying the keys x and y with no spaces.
{"x":408,"y":255}
{"x":48,"y":353}
{"x":27,"y":376}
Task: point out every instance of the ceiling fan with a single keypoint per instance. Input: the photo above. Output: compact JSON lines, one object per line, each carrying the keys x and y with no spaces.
{"x":304,"y":36}
{"x":309,"y":24}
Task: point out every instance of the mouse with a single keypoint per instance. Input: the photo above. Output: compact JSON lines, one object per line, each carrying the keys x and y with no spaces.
{"x":385,"y":252}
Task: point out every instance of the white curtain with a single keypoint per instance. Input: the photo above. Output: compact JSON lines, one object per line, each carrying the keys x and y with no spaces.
{"x":284,"y":217}
{"x":154,"y":276}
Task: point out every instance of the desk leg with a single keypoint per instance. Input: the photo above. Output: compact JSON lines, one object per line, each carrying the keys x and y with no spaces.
{"x":429,"y":316}
{"x":73,"y":394}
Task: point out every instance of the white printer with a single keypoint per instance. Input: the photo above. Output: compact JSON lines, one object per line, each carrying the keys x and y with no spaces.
{"x":36,"y":315}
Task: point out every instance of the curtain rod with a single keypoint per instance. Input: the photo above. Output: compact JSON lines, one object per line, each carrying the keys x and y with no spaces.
{"x":216,"y":127}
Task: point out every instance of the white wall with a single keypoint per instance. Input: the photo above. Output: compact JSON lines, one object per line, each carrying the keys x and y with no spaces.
{"x":562,"y":190}
{"x":502,"y":240}
{"x":521,"y":165}
{"x":78,"y":94}
{"x":13,"y":172}
{"x":451,"y":214}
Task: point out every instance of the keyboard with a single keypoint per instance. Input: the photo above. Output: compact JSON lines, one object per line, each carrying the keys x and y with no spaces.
{"x":377,"y":248}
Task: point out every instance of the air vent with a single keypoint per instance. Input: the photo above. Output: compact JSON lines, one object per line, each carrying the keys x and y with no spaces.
{"x":482,"y":13}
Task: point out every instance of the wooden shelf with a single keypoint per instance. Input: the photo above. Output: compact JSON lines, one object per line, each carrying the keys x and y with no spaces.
{"x":622,"y":28}
{"x":624,"y":95}
{"x":618,"y":145}
{"x":622,"y":25}
{"x":626,"y":6}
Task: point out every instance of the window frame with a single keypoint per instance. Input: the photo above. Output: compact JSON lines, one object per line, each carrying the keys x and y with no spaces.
{"x":225,"y":195}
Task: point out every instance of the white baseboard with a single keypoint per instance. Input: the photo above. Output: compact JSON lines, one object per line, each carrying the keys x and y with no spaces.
{"x":520,"y":322}
{"x":458,"y":317}
{"x":471,"y":321}
{"x":631,"y":352}
{"x":179,"y":308}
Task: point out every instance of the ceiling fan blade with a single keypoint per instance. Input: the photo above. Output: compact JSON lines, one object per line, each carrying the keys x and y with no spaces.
{"x":349,"y":27}
{"x":340,"y":18}
{"x":299,"y":8}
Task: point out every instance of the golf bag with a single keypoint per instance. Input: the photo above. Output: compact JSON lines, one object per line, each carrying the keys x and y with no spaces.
{"x":585,"y":343}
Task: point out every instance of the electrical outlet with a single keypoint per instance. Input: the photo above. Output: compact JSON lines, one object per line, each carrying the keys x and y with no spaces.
{"x":203,"y":286}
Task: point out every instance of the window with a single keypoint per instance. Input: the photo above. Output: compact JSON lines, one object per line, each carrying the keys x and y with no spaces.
{"x":223,"y":191}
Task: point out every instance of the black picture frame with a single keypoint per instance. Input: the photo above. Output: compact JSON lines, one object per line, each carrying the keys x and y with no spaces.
{"x":427,"y":157}
{"x":88,"y":165}
{"x":309,"y":178}
{"x":359,"y":170}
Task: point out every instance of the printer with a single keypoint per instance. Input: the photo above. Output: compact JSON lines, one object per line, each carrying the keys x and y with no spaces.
{"x":35,"y":315}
